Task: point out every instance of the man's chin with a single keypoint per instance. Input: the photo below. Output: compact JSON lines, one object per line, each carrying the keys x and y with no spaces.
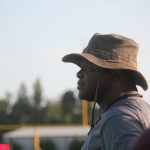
{"x":83,"y":97}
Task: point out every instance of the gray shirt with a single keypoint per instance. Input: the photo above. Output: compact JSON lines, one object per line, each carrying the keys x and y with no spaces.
{"x":120,"y":125}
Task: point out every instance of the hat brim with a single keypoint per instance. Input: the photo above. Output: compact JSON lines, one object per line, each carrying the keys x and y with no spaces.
{"x":78,"y":58}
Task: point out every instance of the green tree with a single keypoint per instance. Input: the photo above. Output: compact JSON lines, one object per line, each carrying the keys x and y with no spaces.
{"x":37,"y":94}
{"x":76,"y":144}
{"x":56,"y":113}
{"x":15,"y":146}
{"x":5,"y":109}
{"x":47,"y":145}
{"x":68,"y":106}
{"x":21,"y":109}
{"x":46,"y":114}
{"x":37,"y":100}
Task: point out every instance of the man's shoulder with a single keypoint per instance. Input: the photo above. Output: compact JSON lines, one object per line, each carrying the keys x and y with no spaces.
{"x":134,"y":108}
{"x":128,"y":105}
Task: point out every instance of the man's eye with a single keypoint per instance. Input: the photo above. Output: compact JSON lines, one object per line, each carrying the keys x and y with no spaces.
{"x":88,"y":69}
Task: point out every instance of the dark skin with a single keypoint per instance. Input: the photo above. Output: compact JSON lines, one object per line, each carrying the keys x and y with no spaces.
{"x":112,"y":83}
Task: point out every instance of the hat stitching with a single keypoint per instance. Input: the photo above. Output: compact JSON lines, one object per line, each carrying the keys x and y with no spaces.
{"x":131,"y":65}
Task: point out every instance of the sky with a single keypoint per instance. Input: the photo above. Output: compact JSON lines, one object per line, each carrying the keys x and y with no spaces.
{"x":36,"y":34}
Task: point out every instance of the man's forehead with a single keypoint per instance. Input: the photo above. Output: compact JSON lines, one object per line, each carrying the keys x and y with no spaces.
{"x":91,"y":65}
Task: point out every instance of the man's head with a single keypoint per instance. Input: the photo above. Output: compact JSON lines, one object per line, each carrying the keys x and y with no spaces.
{"x":108,"y":82}
{"x":105,"y":55}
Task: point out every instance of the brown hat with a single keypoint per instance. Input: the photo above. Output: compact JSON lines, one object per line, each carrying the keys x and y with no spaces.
{"x":111,"y":51}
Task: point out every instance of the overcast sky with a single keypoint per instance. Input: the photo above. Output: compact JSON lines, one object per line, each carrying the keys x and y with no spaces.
{"x":36,"y":34}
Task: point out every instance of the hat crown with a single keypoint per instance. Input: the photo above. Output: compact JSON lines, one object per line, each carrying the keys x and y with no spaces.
{"x":113,"y":47}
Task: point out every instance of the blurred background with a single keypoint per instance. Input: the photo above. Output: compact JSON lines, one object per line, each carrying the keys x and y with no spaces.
{"x":36,"y":87}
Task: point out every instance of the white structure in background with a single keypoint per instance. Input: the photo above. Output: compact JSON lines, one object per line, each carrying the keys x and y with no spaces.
{"x":62,"y":136}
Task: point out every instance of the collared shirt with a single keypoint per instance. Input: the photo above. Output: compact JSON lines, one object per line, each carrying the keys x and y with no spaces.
{"x":120,"y":125}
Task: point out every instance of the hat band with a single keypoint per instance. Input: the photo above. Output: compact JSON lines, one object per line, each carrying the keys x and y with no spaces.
{"x":111,"y":57}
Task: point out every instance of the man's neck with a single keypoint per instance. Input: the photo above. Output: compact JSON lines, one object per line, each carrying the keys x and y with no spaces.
{"x":110,"y":98}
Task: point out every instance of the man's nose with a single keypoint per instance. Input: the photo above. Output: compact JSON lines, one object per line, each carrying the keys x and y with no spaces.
{"x":79,"y":74}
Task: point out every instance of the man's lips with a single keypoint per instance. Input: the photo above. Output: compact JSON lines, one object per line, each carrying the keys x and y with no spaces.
{"x":80,"y":84}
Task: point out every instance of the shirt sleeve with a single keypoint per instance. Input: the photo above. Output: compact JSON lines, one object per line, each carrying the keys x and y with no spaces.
{"x":120,"y":133}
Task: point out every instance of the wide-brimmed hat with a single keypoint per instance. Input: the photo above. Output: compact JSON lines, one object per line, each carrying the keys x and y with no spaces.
{"x":111,"y":51}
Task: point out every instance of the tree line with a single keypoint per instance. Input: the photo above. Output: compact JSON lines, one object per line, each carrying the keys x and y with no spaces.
{"x":35,"y":109}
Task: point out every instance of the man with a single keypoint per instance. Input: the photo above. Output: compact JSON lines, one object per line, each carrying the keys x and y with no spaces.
{"x":108,"y":76}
